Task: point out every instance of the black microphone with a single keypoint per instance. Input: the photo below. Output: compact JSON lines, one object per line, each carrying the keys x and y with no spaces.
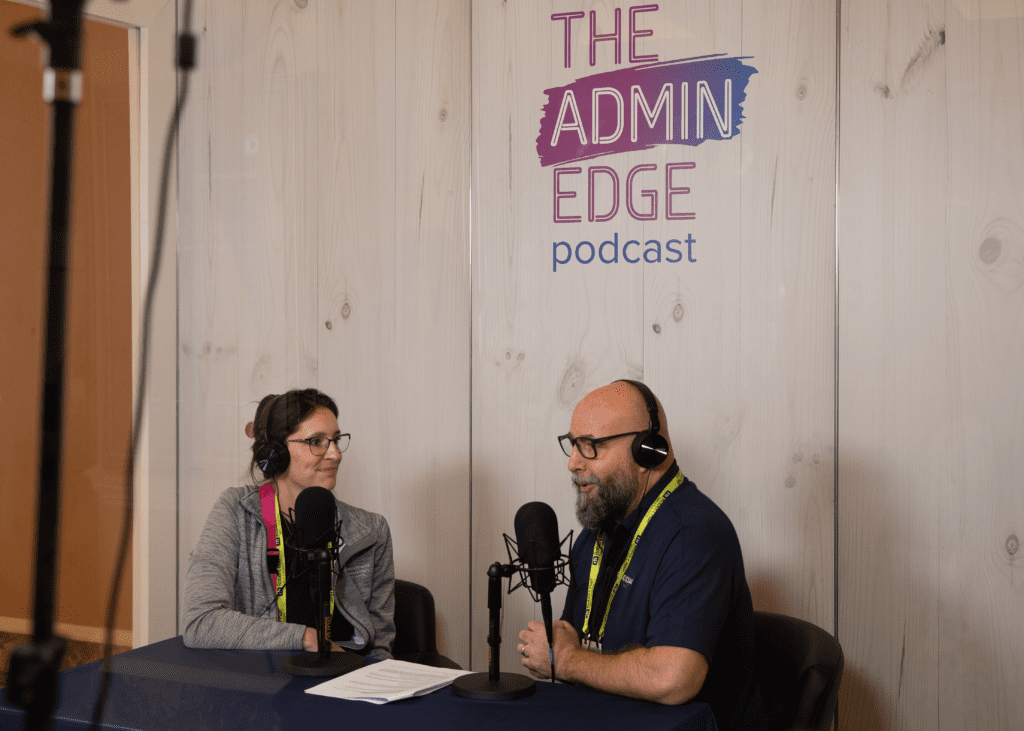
{"x":539,"y":548}
{"x":316,"y":543}
{"x":316,"y":515}
{"x":537,"y":539}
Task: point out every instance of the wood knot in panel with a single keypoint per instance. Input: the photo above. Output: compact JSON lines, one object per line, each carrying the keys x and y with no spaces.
{"x":1012,"y":544}
{"x":990,"y":250}
{"x":727,"y":426}
{"x":1001,"y":254}
{"x":656,"y":327}
{"x":511,"y":359}
{"x":677,"y":313}
{"x":572,"y":383}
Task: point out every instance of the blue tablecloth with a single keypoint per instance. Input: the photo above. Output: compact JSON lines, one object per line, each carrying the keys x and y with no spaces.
{"x":168,"y":686}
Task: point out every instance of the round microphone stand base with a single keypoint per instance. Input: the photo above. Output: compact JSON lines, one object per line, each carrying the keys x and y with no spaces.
{"x":508,"y":686}
{"x":311,"y":665}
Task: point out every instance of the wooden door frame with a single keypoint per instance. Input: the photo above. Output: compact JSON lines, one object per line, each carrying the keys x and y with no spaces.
{"x":152,"y":79}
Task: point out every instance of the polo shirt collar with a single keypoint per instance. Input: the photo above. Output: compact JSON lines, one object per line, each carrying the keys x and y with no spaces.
{"x":630,"y":522}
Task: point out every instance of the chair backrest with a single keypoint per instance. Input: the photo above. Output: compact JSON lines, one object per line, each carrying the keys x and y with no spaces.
{"x":415,"y":628}
{"x":414,"y":619}
{"x":799,"y":666}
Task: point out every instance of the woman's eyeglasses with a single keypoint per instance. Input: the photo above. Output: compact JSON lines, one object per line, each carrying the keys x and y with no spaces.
{"x":318,"y":445}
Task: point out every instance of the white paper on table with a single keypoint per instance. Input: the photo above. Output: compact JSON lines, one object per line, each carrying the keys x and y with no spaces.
{"x":387,"y":681}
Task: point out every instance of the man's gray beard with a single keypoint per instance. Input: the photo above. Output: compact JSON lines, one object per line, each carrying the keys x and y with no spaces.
{"x":611,"y":499}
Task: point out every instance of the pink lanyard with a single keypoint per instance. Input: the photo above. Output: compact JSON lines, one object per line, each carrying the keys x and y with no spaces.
{"x":268,"y":503}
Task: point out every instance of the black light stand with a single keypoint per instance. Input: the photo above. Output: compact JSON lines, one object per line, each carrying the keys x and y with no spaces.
{"x":32,"y":677}
{"x":494,"y":684}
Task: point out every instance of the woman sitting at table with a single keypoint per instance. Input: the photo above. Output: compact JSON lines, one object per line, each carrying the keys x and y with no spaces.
{"x":233,"y":575}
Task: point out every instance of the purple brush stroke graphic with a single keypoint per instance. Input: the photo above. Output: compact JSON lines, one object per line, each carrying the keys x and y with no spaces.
{"x":651,"y":78}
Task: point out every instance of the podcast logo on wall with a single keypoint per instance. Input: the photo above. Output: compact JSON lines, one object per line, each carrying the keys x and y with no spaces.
{"x":677,"y":104}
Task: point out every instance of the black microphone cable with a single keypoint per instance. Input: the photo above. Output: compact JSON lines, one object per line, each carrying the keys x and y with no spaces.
{"x":186,"y":57}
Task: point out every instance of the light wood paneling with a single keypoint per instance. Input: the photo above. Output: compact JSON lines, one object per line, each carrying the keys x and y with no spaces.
{"x":981,"y":522}
{"x":428,"y":395}
{"x":931,"y":346}
{"x":325,"y":243}
{"x":325,"y":219}
{"x":740,"y":344}
{"x":737,"y":345}
{"x":394,"y":116}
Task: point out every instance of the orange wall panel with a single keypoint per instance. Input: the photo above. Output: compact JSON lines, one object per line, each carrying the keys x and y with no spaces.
{"x":98,"y":369}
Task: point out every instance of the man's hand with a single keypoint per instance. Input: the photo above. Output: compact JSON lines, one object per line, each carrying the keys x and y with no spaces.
{"x":662,"y":674}
{"x":534,"y":649}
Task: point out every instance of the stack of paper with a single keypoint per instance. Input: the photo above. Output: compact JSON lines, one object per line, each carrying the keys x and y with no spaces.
{"x":386,"y":681}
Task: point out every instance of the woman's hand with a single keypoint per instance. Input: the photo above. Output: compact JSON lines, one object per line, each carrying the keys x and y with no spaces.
{"x":309,"y":643}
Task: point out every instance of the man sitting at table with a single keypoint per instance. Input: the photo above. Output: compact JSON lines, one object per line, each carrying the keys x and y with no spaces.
{"x":658,"y":595}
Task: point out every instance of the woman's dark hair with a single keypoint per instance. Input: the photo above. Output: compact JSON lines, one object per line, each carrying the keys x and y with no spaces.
{"x":277,"y":417}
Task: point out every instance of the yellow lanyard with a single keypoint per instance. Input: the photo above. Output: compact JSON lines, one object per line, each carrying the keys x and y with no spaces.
{"x":282,"y":604}
{"x":595,"y":564}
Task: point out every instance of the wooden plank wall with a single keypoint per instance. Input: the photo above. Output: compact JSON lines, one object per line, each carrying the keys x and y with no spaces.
{"x":328,"y":237}
{"x":325,"y":242}
{"x":738,"y":346}
{"x":931,"y":263}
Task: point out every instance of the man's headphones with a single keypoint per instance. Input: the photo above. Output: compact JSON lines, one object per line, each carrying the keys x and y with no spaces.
{"x":649,"y":448}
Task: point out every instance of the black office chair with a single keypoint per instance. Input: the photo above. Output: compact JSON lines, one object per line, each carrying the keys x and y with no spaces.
{"x":415,"y":631}
{"x":799,"y":666}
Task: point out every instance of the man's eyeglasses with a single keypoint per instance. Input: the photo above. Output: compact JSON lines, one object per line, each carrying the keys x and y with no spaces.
{"x":318,"y":445}
{"x":586,"y":446}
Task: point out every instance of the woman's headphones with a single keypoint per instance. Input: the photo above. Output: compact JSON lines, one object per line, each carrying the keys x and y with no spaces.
{"x":271,"y":456}
{"x":649,"y":447}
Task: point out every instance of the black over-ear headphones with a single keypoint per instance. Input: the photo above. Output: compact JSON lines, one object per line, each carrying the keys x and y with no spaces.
{"x":649,"y":448}
{"x":271,"y":457}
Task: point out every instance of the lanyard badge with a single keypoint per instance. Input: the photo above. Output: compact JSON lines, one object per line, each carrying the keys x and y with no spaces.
{"x":595,"y":566}
{"x":271,"y":509}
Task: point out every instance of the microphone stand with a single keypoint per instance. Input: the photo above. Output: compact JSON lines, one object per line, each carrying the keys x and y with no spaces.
{"x":545,"y":613}
{"x":494,"y":684}
{"x":324,"y":663}
{"x":34,"y":667}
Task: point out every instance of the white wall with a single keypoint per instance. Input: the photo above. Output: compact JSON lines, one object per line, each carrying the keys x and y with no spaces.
{"x":324,"y":242}
{"x":931,"y":263}
{"x":738,"y":346}
{"x":362,"y":208}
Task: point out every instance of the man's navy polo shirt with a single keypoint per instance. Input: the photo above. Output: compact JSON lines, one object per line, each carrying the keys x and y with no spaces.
{"x":685,"y":587}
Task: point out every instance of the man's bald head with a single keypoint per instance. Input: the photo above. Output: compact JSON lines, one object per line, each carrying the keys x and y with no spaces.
{"x":616,"y":408}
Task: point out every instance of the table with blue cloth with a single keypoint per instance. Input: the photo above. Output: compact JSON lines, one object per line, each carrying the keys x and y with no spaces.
{"x":169,"y":686}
